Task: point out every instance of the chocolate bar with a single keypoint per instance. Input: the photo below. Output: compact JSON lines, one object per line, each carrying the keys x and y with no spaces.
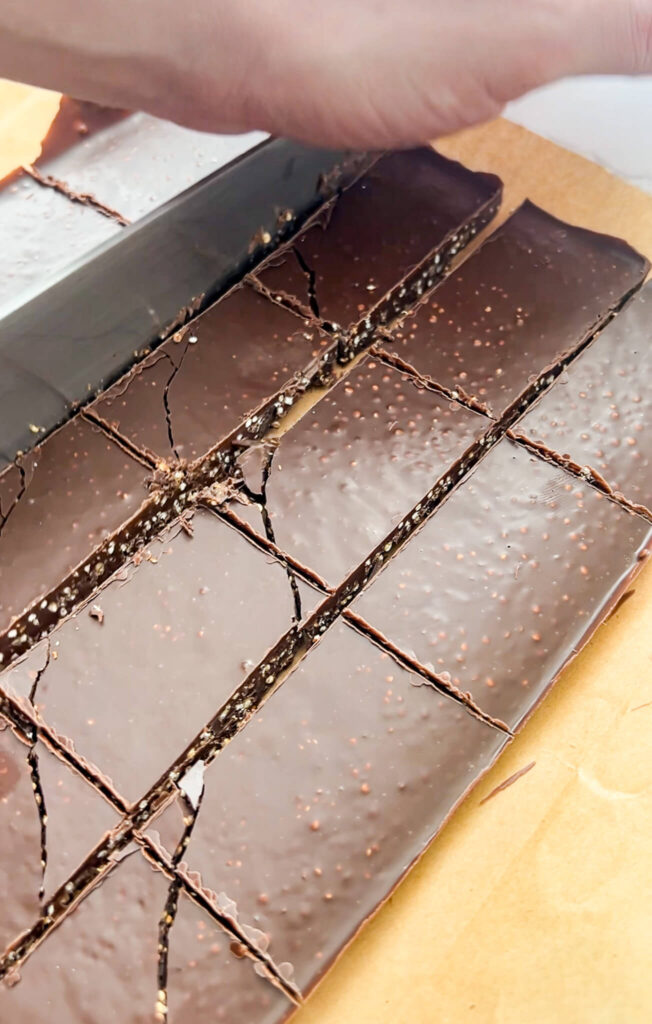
{"x":536,"y":291}
{"x":404,"y":219}
{"x":597,"y":415}
{"x":203,"y":382}
{"x":315,"y":811}
{"x":363,"y":456}
{"x":507,"y":580}
{"x":181,"y":622}
{"x":57,"y":503}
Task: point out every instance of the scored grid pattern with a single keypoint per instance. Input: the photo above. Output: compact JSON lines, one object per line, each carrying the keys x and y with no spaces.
{"x":433,"y":499}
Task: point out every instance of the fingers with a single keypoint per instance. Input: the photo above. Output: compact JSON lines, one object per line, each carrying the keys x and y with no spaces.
{"x":610,"y":37}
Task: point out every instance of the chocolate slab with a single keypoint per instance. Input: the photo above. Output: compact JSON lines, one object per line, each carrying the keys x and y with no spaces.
{"x":78,"y":487}
{"x":241,"y":351}
{"x":138,"y":671}
{"x":139,"y":162}
{"x":313,"y":813}
{"x":100,"y":965}
{"x":600,"y":411}
{"x":507,"y":580}
{"x":76,"y":818}
{"x":344,"y":475}
{"x":531,"y":294}
{"x":380,"y":229}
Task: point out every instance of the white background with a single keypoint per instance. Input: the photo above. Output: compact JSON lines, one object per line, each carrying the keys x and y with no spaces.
{"x":608,"y":120}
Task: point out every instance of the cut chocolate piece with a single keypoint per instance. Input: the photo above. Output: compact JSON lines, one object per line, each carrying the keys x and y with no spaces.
{"x":140,"y":162}
{"x":599,"y":412}
{"x":75,"y":817}
{"x":344,"y":475}
{"x":175,"y":640}
{"x":100,"y":965}
{"x":42,"y":233}
{"x":529,"y":296}
{"x":201,"y":384}
{"x":69,"y":493}
{"x":507,"y":580}
{"x":313,"y":813}
{"x":407,"y":206}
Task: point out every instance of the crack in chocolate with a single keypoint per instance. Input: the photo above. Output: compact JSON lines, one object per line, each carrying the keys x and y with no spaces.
{"x":203,"y":898}
{"x":260,"y":501}
{"x":39,"y":800}
{"x":35,"y":777}
{"x":166,"y":396}
{"x":4,"y":517}
{"x":83,"y":198}
{"x":311,"y":280}
{"x":169,"y":914}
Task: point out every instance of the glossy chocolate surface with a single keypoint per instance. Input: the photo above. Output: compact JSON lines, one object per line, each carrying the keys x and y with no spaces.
{"x":378,"y":231}
{"x":240,"y":352}
{"x":530,"y":295}
{"x":600,"y":411}
{"x":175,"y":640}
{"x":313,"y":813}
{"x":100,"y":964}
{"x":42,"y":233}
{"x":140,"y":162}
{"x":507,"y":579}
{"x":79,"y":487}
{"x":76,"y":818}
{"x":344,"y":475}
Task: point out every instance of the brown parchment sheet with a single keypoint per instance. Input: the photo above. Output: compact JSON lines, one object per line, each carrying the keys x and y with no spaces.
{"x":535,"y":906}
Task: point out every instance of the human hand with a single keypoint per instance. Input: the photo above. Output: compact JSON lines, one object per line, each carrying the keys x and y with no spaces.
{"x":372,"y":73}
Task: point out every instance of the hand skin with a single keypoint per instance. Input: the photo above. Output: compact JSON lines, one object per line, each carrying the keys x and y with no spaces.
{"x":361,"y":73}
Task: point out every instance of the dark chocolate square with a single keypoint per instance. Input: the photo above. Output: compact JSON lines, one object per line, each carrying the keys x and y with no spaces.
{"x":405,"y":207}
{"x":507,"y":580}
{"x":138,"y":671}
{"x":79,"y":486}
{"x":343,"y":476}
{"x":529,"y":296}
{"x":241,"y":351}
{"x":599,"y":412}
{"x":317,"y":808}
